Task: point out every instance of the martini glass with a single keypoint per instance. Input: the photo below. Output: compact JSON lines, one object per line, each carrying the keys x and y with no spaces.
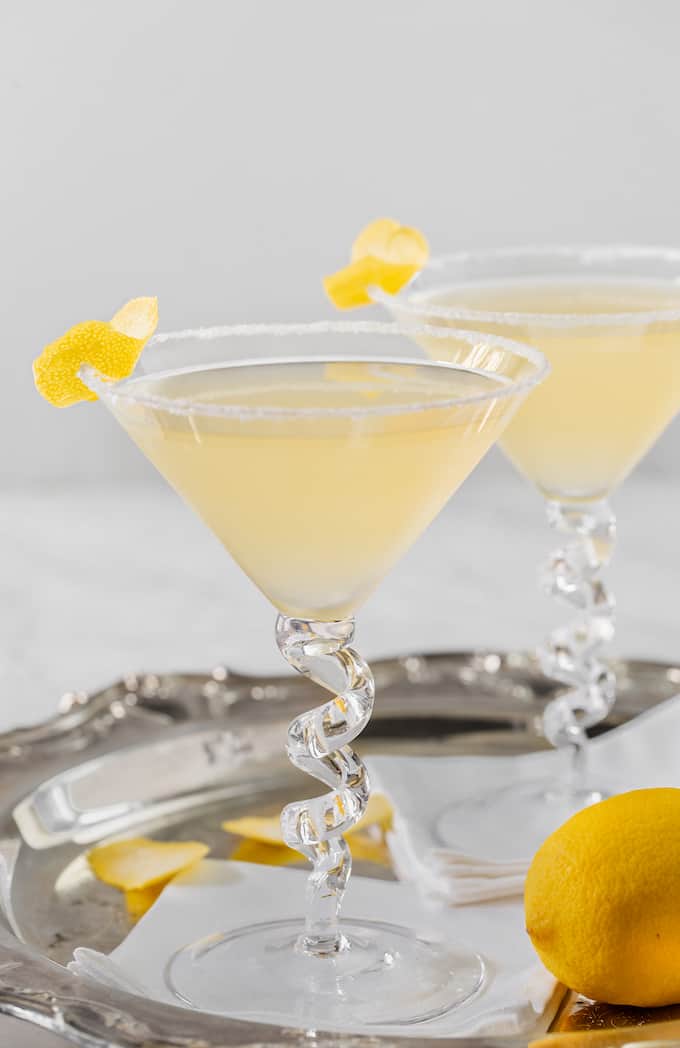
{"x":317,"y":454}
{"x":608,"y":319}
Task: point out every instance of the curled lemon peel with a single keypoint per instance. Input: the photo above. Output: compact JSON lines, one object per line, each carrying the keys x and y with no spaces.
{"x":139,"y":863}
{"x":111,"y":347}
{"x":389,"y":241}
{"x":138,"y":318}
{"x":385,"y":254}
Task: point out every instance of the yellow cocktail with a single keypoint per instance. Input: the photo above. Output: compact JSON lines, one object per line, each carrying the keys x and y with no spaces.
{"x":317,"y":454}
{"x":613,"y":389}
{"x":317,"y":476}
{"x":608,"y":319}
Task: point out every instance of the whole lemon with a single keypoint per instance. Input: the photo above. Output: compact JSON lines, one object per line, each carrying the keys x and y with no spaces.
{"x":602,"y":900}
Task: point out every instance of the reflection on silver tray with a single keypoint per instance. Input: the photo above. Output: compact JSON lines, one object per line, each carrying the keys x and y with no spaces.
{"x":174,"y":755}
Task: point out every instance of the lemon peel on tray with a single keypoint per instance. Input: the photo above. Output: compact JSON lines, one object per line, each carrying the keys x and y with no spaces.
{"x":262,"y":841}
{"x":111,"y":347}
{"x":363,"y":847}
{"x":385,"y":254}
{"x":267,"y":828}
{"x":141,"y":867}
{"x":139,"y":900}
{"x":387,"y":239}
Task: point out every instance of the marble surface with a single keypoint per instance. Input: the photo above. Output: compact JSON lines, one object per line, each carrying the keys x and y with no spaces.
{"x":99,"y":580}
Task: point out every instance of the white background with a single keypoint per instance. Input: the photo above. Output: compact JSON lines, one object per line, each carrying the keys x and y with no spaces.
{"x":221,"y":154}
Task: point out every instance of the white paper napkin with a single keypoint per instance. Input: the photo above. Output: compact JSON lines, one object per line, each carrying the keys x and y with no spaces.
{"x":518,"y":997}
{"x":487,"y":863}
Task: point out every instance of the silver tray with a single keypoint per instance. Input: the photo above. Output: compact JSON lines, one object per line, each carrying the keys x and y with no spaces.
{"x":175,"y":755}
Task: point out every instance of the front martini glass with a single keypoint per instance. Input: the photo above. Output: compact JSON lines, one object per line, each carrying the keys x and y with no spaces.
{"x":317,"y":454}
{"x":608,"y":319}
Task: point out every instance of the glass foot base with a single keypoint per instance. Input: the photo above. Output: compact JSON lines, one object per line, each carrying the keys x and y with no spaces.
{"x":513,"y":822}
{"x":384,"y":976}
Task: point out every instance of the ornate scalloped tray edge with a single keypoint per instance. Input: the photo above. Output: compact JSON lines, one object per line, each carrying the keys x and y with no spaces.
{"x":483,"y":702}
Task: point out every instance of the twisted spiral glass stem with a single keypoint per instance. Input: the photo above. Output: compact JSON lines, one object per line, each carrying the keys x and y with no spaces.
{"x":573,"y":654}
{"x":319,"y":744}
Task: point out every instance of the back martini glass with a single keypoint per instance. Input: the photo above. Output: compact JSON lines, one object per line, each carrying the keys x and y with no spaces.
{"x":317,"y":454}
{"x":608,"y":319}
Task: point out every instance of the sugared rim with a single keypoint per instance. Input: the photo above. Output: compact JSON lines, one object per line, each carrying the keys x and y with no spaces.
{"x":413,"y":301}
{"x":123,"y":391}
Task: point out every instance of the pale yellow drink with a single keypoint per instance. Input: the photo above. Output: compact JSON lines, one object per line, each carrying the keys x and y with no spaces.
{"x":325,"y":473}
{"x":614,"y":386}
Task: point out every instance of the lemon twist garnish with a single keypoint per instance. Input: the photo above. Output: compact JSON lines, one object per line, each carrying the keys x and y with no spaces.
{"x":385,"y":254}
{"x":111,"y":347}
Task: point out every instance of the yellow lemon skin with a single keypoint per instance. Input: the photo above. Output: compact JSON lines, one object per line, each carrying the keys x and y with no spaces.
{"x":139,"y":863}
{"x":267,"y":828}
{"x":94,"y":342}
{"x":137,"y":318}
{"x":388,"y":240}
{"x":385,"y":254}
{"x":111,"y":348}
{"x":602,"y":900}
{"x":348,"y":288}
{"x":362,"y":846}
{"x":139,"y":900}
